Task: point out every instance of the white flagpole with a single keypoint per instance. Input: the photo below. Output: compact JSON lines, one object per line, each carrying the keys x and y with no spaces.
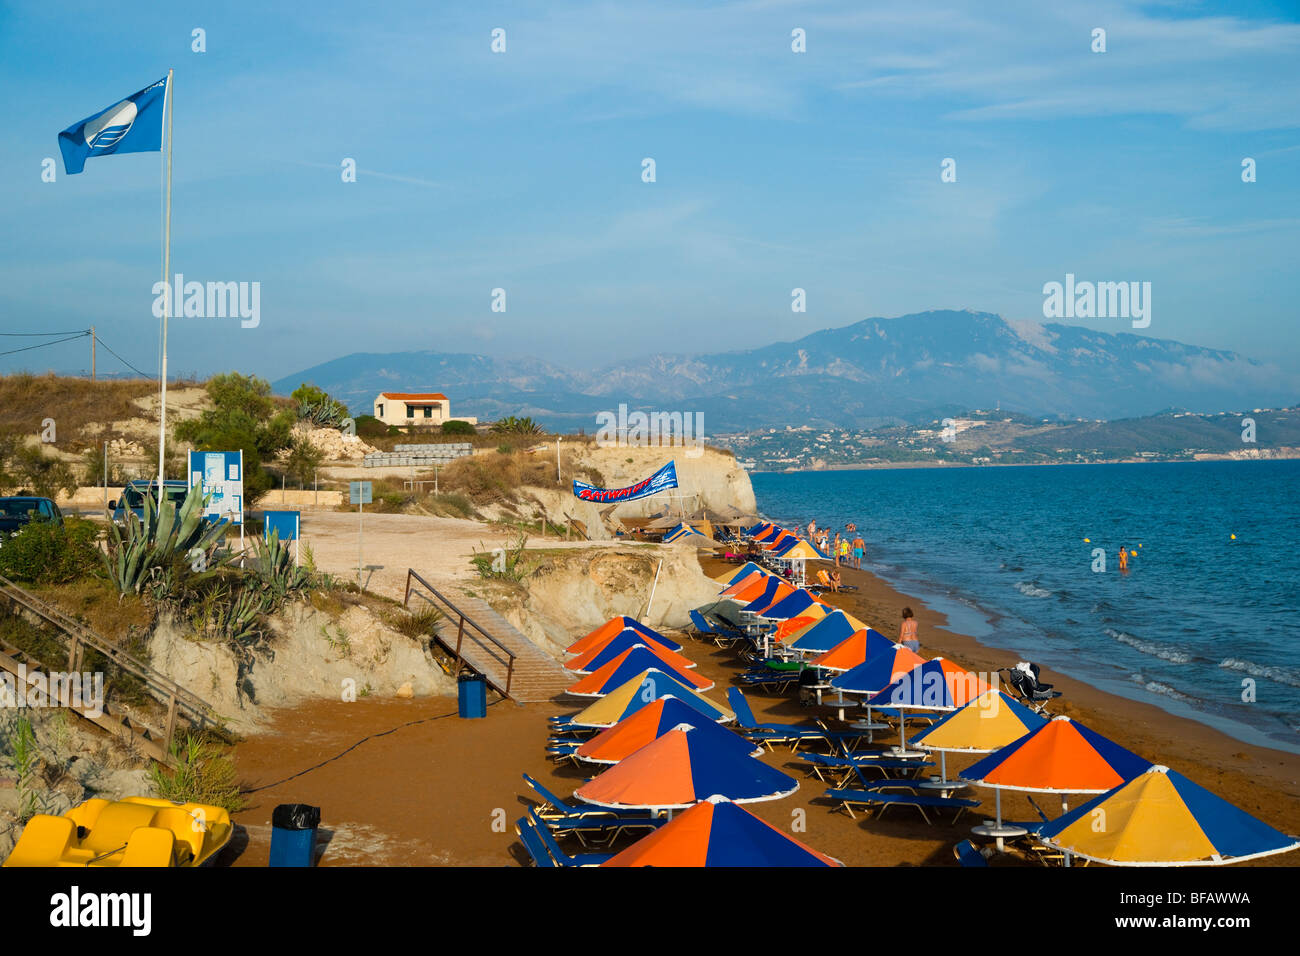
{"x":167,"y":297}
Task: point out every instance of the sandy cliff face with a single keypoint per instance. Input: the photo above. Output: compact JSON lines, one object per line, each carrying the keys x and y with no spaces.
{"x":311,"y":655}
{"x":573,"y":593}
{"x":710,"y":478}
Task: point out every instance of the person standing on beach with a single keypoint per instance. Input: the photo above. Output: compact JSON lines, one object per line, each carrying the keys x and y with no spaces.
{"x":859,"y":552}
{"x":836,"y":553}
{"x":907,"y":632}
{"x":844,"y":551}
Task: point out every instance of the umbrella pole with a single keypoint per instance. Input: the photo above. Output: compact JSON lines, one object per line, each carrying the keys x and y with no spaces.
{"x":943,"y":765}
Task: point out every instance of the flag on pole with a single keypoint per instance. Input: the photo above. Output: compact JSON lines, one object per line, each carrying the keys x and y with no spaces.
{"x":134,"y":125}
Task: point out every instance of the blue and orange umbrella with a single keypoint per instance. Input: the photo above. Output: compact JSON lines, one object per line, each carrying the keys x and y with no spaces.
{"x":792,"y":605}
{"x":717,"y":832}
{"x":627,"y":665}
{"x":937,"y":684}
{"x":826,"y":633}
{"x":641,"y":691}
{"x":613,"y":627}
{"x":682,"y":768}
{"x":1063,"y":757}
{"x":652,"y":722}
{"x":598,"y":657}
{"x":860,"y":648}
{"x":1160,"y":818}
{"x":988,"y":723}
{"x":731,"y":577}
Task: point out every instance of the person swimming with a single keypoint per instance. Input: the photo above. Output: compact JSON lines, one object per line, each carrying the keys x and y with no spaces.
{"x":1123,"y":559}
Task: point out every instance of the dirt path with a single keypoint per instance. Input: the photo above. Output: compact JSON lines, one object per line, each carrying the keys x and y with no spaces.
{"x":437,"y":548}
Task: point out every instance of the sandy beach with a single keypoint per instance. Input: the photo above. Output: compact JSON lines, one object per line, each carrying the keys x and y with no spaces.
{"x":409,"y":783}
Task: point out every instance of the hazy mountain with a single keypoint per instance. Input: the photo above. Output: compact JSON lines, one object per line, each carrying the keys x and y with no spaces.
{"x":855,"y":376}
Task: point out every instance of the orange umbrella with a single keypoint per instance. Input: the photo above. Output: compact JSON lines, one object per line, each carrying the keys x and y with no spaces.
{"x":598,"y":657}
{"x":631,"y":662}
{"x":611,"y":628}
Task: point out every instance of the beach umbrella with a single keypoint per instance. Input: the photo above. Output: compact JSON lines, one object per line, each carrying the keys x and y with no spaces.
{"x":731,"y":577}
{"x":801,"y":551}
{"x":768,"y":534}
{"x":1063,"y":757}
{"x":680,"y":769}
{"x":640,"y":691}
{"x":652,"y":722}
{"x":936,"y":684}
{"x":773,"y":590}
{"x":744,"y":591}
{"x":989,"y":722}
{"x":805,"y":619}
{"x":629,"y":664}
{"x":1160,"y":818}
{"x":791,"y":605}
{"x":826,"y":633}
{"x":717,"y":832}
{"x":780,"y":540}
{"x":598,"y":657}
{"x":623,"y":639}
{"x":860,"y":647}
{"x":612,"y":627}
{"x":755,"y":530}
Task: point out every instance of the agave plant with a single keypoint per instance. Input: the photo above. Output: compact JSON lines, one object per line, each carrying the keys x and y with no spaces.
{"x":327,"y":414}
{"x":150,"y":547}
{"x":274,"y":567}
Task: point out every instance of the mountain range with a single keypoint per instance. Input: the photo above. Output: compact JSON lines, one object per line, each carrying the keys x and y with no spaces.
{"x":912,"y":369}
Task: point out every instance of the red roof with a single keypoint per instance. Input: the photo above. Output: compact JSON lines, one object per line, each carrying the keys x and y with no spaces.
{"x":414,"y":396}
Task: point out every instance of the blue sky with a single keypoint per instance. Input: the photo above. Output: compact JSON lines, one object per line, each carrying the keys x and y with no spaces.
{"x":775,"y":170}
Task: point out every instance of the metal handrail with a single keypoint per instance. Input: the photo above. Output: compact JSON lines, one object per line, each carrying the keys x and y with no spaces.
{"x":508,"y":664}
{"x":80,"y":634}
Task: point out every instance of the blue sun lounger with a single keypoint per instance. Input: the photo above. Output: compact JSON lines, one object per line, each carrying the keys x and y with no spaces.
{"x":542,"y":846}
{"x":819,"y":763}
{"x":778,"y":733}
{"x":881,"y":801}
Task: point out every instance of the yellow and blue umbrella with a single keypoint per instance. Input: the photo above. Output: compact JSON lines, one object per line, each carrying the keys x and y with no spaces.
{"x":1160,"y":818}
{"x":640,"y":691}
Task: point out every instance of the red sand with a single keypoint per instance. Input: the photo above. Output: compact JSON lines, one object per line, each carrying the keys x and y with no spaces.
{"x":447,"y":791}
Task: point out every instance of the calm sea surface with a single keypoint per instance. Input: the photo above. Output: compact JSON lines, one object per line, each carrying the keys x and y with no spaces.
{"x":1201,"y":624}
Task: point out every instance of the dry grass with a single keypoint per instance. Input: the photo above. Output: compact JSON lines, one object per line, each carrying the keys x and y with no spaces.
{"x":123,"y":619}
{"x":26,"y":400}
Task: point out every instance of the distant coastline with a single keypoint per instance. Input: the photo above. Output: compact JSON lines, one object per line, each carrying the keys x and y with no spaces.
{"x":1283,"y":454}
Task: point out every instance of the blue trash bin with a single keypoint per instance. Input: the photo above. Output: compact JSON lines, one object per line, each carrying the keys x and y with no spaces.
{"x":472,"y":691}
{"x":293,"y":834}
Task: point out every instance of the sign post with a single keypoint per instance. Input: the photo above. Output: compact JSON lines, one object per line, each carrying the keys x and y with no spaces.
{"x":361,"y":493}
{"x":220,"y":474}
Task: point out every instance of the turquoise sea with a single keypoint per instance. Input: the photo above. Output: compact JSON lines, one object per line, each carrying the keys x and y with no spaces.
{"x":1202,"y":624}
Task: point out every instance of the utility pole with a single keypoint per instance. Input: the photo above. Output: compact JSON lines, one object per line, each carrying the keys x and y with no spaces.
{"x":92,"y":353}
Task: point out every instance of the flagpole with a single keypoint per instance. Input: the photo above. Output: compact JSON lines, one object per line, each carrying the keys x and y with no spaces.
{"x":167,"y":304}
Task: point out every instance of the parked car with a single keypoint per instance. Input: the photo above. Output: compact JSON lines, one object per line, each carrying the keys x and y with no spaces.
{"x":133,"y":496}
{"x":20,"y":510}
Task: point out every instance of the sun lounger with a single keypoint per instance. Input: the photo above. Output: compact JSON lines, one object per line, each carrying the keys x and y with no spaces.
{"x":968,"y":854}
{"x":715,"y":630}
{"x":881,"y":801}
{"x":538,"y":831}
{"x":843,"y":766}
{"x":533,"y":843}
{"x":554,"y":807}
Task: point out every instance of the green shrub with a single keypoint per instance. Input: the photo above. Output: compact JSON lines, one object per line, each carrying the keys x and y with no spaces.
{"x":204,"y":774}
{"x":368,"y":426}
{"x":458,"y":428}
{"x":46,"y":553}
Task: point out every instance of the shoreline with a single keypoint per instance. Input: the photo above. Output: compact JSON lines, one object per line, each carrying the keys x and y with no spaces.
{"x":1261,"y":780}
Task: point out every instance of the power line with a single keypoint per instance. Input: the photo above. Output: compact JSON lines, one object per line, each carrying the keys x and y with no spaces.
{"x":122,"y":360}
{"x":79,"y":335}
{"x":39,"y":334}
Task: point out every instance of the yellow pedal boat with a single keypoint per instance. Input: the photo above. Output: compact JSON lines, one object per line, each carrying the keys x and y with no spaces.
{"x":136,"y":831}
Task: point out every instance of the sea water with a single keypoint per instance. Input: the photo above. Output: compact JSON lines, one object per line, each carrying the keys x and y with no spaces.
{"x":1202,"y":624}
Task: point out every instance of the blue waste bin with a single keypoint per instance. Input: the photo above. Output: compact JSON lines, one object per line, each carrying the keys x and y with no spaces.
{"x":472,"y":690}
{"x":293,"y":834}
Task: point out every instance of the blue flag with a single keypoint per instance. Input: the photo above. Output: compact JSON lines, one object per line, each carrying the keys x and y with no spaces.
{"x":135,"y":125}
{"x":661,"y":480}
